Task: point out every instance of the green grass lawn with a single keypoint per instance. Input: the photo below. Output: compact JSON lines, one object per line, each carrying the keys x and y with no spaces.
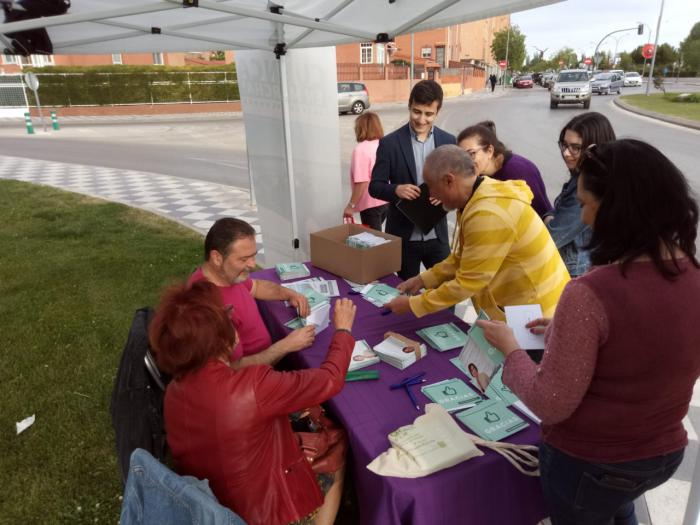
{"x":72,"y":271}
{"x":662,"y":104}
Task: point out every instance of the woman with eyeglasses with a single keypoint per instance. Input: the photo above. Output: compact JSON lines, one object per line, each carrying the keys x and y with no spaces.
{"x":230,"y":424}
{"x":570,"y":234}
{"x":621,"y":353}
{"x":492,"y":158}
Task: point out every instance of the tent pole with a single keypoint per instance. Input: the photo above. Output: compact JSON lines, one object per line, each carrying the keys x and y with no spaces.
{"x":289,"y":160}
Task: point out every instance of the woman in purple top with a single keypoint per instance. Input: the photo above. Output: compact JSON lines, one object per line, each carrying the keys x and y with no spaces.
{"x":492,"y":158}
{"x":621,"y":353}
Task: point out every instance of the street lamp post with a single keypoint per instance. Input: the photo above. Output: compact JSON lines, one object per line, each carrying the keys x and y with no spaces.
{"x":595,"y":54}
{"x":617,"y":41}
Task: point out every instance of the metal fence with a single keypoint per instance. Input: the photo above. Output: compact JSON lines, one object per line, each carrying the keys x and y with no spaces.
{"x":13,"y":96}
{"x":111,"y":89}
{"x":349,"y":71}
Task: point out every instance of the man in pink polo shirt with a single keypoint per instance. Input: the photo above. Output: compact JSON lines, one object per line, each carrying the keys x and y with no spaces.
{"x":229,"y":257}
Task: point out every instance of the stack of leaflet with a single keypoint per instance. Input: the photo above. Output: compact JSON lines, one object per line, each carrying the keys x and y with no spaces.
{"x":452,"y":394}
{"x":379,"y":293}
{"x":443,"y":337}
{"x":287,"y":271}
{"x":325,"y":287}
{"x":365,"y":240}
{"x":319,"y":316}
{"x":399,"y":351}
{"x":362,"y":356}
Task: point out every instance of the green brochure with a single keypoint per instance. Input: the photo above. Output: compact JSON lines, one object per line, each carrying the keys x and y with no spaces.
{"x":452,"y":394}
{"x":286,"y":271}
{"x":315,"y":299}
{"x":480,"y":359}
{"x":491,"y":420}
{"x":443,"y":337}
{"x":381,"y":294}
{"x":295,"y":323}
{"x":497,"y":390}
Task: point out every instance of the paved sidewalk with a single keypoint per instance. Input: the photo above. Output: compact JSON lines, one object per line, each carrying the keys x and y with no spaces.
{"x":195,"y":204}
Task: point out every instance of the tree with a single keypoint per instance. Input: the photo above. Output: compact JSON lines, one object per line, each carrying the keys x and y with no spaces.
{"x":690,"y":47}
{"x":217,"y":55}
{"x":516,"y":47}
{"x":627,"y":62}
{"x":666,"y":54}
{"x":636,"y":55}
{"x":566,"y":55}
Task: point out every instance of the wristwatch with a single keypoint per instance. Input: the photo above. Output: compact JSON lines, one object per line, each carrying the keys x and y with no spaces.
{"x":352,"y":205}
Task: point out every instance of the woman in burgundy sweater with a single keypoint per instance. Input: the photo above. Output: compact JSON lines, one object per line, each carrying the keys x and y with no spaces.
{"x":621,"y":353}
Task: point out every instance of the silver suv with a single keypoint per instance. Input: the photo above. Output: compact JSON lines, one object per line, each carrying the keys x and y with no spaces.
{"x":352,"y":96}
{"x":571,"y":86}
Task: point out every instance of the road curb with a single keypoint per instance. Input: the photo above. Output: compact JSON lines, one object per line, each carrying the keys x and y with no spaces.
{"x":658,"y":116}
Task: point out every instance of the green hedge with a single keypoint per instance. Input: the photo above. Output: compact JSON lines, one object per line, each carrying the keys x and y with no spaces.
{"x":108,"y":85}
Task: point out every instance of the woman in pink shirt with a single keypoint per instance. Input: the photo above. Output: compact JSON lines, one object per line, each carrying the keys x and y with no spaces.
{"x":621,"y":353}
{"x":368,"y":131}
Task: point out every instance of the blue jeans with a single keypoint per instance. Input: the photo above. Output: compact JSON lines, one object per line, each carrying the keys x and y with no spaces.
{"x":582,"y":493}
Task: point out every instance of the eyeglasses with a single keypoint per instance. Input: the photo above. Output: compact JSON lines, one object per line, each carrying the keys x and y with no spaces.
{"x":473,"y":152}
{"x":574,"y":149}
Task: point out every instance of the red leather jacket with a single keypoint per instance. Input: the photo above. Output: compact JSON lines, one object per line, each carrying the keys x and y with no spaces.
{"x":232,"y":428}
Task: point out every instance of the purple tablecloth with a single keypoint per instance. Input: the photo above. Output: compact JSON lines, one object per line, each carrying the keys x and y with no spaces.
{"x":483,"y":490}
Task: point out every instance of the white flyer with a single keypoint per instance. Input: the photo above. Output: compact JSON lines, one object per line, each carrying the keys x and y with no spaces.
{"x":517,"y":317}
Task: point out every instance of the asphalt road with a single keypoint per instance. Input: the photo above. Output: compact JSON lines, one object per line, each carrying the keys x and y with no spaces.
{"x":214,"y":149}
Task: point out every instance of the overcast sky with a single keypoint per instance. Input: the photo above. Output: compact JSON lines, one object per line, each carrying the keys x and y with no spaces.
{"x":580,"y":24}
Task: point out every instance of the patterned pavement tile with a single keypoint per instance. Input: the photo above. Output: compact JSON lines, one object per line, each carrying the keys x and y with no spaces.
{"x":196,"y":204}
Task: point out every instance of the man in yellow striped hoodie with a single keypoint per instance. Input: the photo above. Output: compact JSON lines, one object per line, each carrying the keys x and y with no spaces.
{"x":503,"y":254}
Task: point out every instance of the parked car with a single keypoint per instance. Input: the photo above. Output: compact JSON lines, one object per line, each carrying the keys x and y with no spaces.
{"x":571,"y":87}
{"x":353,"y":97}
{"x":606,"y":83}
{"x":632,"y":78}
{"x":524,"y":81}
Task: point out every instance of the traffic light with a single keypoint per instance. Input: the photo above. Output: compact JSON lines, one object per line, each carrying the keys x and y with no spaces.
{"x":640,"y":29}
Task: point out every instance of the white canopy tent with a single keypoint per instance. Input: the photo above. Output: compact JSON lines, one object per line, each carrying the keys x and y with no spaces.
{"x":287,"y":78}
{"x":286,"y":73}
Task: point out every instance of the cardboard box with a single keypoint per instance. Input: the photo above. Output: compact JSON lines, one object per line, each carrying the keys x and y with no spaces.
{"x":329,"y":252}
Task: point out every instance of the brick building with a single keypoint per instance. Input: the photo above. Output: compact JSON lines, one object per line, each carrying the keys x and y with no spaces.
{"x":468,"y":43}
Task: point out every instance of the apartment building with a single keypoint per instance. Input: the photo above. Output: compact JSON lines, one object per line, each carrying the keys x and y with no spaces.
{"x":468,"y":43}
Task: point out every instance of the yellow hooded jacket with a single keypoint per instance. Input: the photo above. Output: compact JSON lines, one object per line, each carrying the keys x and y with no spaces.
{"x":504,"y":256}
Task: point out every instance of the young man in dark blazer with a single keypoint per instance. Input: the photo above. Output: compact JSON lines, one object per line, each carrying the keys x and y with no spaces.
{"x":398,"y":172}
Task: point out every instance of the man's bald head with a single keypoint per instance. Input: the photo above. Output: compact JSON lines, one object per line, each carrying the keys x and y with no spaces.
{"x":448,"y":159}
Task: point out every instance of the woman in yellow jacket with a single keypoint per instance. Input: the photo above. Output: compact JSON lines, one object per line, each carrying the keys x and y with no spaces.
{"x":503,"y":255}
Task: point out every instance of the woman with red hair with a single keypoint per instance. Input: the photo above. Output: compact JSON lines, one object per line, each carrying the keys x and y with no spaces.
{"x":231,"y":425}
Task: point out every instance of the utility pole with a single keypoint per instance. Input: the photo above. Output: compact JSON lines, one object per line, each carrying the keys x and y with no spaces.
{"x":410,"y":73}
{"x":656,"y":41}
